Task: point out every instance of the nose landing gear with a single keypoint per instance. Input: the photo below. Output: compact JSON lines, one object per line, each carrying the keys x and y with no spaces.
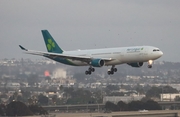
{"x":150,"y":62}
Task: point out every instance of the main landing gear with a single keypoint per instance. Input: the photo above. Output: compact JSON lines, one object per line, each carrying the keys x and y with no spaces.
{"x":112,"y":70}
{"x":89,"y":71}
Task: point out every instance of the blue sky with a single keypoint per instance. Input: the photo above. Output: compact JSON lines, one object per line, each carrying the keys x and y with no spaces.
{"x":86,"y":24}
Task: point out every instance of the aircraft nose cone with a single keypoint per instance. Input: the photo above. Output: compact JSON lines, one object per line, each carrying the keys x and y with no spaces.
{"x":161,"y":53}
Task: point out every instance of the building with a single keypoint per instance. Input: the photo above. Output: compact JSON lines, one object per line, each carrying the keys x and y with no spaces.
{"x":169,"y":96}
{"x":126,"y":99}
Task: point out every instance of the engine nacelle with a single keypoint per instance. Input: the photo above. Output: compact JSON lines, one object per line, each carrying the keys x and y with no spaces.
{"x":138,"y":64}
{"x":97,"y":63}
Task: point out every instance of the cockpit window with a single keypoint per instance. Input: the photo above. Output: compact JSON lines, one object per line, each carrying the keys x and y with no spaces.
{"x":156,"y":50}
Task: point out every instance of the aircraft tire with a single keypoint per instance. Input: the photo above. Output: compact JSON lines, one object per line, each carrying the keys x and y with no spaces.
{"x":115,"y":70}
{"x":109,"y":72}
{"x":92,"y":69}
{"x":86,"y":72}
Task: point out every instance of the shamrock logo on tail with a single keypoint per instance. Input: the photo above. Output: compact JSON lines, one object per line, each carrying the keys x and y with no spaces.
{"x":50,"y":45}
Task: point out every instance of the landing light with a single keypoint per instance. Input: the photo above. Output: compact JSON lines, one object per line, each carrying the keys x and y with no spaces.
{"x":150,"y":62}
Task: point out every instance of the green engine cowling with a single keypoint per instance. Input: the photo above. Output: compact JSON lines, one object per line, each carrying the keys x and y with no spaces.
{"x":97,"y":63}
{"x":138,"y":64}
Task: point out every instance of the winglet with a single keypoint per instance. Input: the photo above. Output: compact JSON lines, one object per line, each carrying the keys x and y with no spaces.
{"x":23,"y":48}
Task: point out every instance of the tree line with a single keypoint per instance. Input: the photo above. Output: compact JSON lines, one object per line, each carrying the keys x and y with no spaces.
{"x":132,"y":106}
{"x":17,"y":108}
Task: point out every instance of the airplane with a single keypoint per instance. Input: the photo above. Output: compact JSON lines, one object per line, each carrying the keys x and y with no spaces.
{"x":134,"y":56}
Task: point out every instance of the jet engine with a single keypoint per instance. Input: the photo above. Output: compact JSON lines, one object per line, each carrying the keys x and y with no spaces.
{"x":97,"y":63}
{"x":138,"y":64}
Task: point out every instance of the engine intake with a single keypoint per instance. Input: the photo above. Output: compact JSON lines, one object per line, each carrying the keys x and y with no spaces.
{"x":138,"y":64}
{"x":97,"y":63}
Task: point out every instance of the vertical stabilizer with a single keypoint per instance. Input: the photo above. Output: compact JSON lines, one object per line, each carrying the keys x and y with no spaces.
{"x":51,"y":44}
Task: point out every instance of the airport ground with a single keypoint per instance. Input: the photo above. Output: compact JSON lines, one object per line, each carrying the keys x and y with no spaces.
{"x":159,"y":113}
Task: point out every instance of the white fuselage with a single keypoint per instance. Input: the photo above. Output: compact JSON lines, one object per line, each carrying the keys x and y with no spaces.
{"x":119,"y":55}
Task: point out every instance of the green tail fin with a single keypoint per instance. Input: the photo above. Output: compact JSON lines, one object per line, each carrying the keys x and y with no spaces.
{"x":51,"y":44}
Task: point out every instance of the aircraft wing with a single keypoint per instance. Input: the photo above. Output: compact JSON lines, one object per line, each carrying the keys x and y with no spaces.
{"x":65,"y":56}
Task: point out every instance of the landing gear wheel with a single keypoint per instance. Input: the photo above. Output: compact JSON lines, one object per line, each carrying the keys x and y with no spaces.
{"x":86,"y":72}
{"x":109,"y":72}
{"x":92,"y":69}
{"x":112,"y":70}
{"x":115,"y":69}
{"x":89,"y":71}
{"x":149,"y":66}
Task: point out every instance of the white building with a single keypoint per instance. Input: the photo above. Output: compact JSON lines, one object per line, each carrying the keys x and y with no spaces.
{"x":126,"y":99}
{"x":169,"y":96}
{"x":59,"y":73}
